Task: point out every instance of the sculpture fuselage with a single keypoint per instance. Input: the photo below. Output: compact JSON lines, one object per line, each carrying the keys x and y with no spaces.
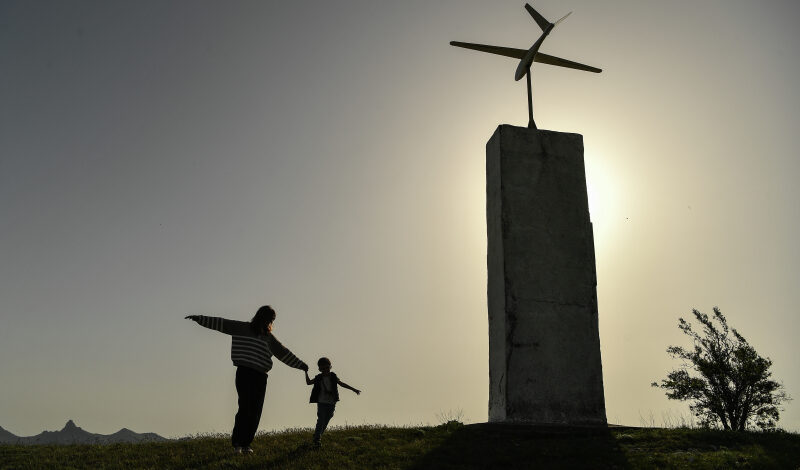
{"x":526,"y":62}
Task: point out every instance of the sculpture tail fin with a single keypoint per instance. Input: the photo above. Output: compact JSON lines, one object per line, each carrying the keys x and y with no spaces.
{"x":562,"y":19}
{"x":540,"y":20}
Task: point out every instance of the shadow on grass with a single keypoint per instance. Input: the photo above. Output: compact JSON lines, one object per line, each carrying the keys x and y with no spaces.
{"x":490,"y":445}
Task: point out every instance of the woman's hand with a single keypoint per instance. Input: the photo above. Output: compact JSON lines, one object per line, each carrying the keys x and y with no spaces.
{"x":191,"y":317}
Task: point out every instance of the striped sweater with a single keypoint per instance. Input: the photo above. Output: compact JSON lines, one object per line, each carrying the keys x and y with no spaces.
{"x":249,"y":349}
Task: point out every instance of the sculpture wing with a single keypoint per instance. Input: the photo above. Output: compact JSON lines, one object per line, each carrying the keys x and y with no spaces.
{"x":504,"y":51}
{"x":552,"y":60}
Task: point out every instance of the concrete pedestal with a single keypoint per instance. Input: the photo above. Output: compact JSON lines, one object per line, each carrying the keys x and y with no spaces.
{"x":544,"y":344}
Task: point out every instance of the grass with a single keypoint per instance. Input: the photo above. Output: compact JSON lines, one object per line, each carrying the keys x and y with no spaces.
{"x":448,"y":446}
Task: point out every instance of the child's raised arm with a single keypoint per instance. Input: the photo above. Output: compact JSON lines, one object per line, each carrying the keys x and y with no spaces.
{"x":308,"y":381}
{"x":358,"y":392}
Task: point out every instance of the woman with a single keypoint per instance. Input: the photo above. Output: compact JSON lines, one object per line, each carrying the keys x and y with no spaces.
{"x":252,"y":348}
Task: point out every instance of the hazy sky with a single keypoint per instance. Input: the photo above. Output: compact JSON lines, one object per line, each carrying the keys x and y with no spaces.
{"x":160,"y":159}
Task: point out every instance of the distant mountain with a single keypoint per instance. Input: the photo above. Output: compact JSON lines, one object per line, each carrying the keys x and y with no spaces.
{"x":72,"y":434}
{"x":6,"y":437}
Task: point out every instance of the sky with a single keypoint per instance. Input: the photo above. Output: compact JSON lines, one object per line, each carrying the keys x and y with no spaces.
{"x":161,"y":159}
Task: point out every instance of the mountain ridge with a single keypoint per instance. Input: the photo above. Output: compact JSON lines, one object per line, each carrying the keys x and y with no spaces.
{"x":73,"y":434}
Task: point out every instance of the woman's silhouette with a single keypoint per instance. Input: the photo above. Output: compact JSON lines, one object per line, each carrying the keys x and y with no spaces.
{"x":252,"y":348}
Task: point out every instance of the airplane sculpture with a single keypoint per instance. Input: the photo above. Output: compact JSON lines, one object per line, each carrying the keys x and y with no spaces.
{"x":529,"y":56}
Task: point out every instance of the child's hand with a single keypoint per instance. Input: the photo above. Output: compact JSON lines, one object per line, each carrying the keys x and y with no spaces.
{"x":358,"y":392}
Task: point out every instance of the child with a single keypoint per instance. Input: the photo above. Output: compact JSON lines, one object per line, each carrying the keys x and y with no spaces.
{"x":325,"y":394}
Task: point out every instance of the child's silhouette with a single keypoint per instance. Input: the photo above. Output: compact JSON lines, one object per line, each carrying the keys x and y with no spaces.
{"x":325,"y":394}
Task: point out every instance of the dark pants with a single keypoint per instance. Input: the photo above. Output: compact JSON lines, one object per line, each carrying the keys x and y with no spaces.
{"x":324,"y":415}
{"x":251,"y":385}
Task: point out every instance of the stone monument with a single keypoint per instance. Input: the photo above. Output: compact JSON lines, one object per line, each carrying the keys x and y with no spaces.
{"x":544,"y":343}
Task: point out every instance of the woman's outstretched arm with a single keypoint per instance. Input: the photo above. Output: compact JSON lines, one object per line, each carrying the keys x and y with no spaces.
{"x":223,"y":325}
{"x":284,"y":355}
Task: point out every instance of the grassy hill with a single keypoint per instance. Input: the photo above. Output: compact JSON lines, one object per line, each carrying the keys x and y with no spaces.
{"x":448,"y":446}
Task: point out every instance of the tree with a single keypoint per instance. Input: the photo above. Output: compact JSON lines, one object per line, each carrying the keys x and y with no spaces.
{"x":732,"y":385}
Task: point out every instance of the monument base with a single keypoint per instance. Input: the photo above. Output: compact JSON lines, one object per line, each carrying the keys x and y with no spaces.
{"x":544,"y":343}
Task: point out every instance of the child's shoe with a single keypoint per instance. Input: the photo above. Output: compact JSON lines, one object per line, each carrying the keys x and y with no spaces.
{"x":237,"y":450}
{"x":247,"y":450}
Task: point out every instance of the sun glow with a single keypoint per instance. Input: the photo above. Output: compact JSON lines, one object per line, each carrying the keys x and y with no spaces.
{"x":602,"y":193}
